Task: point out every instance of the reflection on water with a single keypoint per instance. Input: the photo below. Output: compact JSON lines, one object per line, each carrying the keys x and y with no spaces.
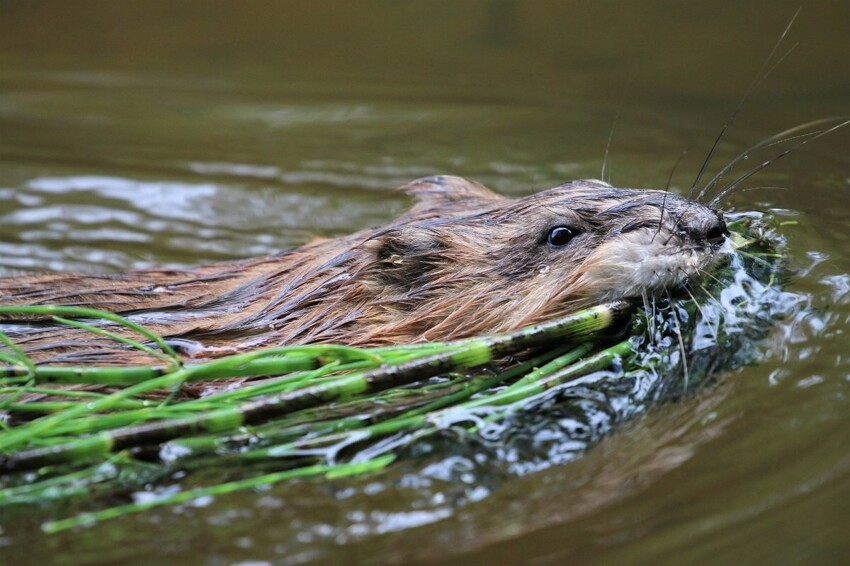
{"x":161,"y":133}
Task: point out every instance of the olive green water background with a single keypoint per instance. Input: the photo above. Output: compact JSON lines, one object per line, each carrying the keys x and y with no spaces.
{"x":149,"y":133}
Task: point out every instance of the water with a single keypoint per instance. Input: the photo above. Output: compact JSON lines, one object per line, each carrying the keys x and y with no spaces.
{"x":150,"y":134}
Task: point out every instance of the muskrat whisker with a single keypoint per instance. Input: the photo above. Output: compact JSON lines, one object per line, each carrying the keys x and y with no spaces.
{"x":760,"y":76}
{"x":538,"y":200}
{"x":679,"y":337}
{"x":777,"y":138}
{"x":607,"y":147}
{"x":714,"y":277}
{"x":666,"y":192}
{"x":734,"y":184}
{"x":744,"y":155}
{"x":649,"y":310}
{"x":714,"y":329}
{"x":763,"y":188}
{"x":656,"y":307}
{"x":645,"y":299}
{"x":791,"y":138}
{"x":613,"y":126}
{"x":673,"y":230}
{"x":686,"y":248}
{"x":757,"y":258}
{"x":705,"y":290}
{"x":655,"y":316}
{"x":673,"y":170}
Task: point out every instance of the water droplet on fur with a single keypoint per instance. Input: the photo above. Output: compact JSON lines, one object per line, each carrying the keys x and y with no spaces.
{"x":395,"y":259}
{"x":543,"y":268}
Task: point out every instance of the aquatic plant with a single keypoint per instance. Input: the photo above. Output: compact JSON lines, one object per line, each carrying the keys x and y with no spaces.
{"x":331,"y":410}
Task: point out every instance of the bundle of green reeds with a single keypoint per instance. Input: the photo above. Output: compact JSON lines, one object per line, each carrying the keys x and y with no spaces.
{"x":322,"y":410}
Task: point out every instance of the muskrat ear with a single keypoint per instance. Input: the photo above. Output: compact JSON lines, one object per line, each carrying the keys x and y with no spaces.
{"x":405,"y":255}
{"x":393,"y":246}
{"x":438,"y":194}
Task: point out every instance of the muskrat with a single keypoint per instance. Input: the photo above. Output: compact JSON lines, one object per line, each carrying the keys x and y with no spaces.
{"x":462,"y":260}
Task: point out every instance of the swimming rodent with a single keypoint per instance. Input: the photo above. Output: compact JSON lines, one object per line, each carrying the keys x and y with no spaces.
{"x":462,"y":261}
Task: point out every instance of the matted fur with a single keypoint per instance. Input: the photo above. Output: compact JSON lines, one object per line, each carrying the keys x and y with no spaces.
{"x":462,"y":261}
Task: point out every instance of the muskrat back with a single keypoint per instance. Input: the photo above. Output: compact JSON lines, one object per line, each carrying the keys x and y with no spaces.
{"x":463,"y":260}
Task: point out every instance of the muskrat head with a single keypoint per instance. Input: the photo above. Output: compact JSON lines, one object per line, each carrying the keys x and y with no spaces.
{"x":614,"y":243}
{"x":467,"y":260}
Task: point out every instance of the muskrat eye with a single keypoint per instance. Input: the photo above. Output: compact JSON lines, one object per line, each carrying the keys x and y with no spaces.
{"x":560,"y":236}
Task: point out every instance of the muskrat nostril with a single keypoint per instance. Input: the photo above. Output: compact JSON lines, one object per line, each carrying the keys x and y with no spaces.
{"x":717,"y":233}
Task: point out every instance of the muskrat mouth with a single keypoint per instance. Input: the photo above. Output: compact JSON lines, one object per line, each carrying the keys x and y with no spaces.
{"x":639,"y":263}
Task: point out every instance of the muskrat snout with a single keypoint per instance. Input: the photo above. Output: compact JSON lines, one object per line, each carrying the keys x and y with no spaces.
{"x":708,"y":229}
{"x":718,"y":232}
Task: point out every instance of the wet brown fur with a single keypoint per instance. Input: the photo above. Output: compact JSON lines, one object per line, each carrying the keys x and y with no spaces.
{"x":462,"y":261}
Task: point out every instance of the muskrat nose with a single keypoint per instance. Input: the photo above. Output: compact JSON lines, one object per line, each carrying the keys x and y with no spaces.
{"x":706,"y":228}
{"x":712,"y":231}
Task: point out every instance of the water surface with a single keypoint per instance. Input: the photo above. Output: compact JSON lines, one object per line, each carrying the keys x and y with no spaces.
{"x":138,"y":134}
